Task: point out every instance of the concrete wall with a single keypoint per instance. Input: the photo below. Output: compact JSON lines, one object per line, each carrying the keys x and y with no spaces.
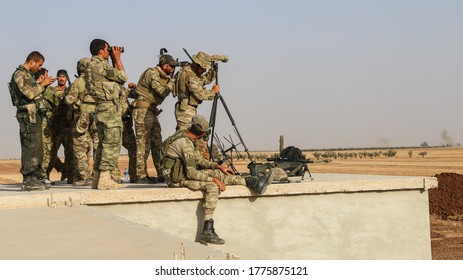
{"x":333,"y":217}
{"x":356,"y":225}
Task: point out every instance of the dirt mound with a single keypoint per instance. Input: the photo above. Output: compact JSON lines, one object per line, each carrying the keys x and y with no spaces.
{"x":447,"y":199}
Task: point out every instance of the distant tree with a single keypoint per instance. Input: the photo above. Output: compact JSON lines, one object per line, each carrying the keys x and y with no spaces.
{"x":410,"y":153}
{"x":423,"y":154}
{"x":390,"y":153}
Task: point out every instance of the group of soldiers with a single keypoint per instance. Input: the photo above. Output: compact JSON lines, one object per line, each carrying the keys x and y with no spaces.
{"x":94,"y":117}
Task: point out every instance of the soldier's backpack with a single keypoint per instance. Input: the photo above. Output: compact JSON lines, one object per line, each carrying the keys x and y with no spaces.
{"x":292,"y":153}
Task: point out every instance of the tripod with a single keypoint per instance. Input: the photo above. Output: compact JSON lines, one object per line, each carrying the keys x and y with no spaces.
{"x":212,"y":121}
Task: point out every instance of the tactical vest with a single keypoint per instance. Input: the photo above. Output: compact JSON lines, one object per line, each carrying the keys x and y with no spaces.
{"x":174,"y":168}
{"x":17,"y":98}
{"x":183,"y":92}
{"x":98,"y":85}
{"x":83,"y":94}
{"x":146,"y":93}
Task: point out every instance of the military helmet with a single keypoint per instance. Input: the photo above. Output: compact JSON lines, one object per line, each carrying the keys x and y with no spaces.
{"x":202,"y":59}
{"x":82,"y":64}
{"x":167,"y":59}
{"x":199,"y":125}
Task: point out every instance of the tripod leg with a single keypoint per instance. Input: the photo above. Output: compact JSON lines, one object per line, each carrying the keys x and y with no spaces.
{"x":212,"y":124}
{"x":234,"y":125}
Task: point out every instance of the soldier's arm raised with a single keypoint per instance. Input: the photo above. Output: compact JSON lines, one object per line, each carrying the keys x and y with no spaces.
{"x":28,"y":87}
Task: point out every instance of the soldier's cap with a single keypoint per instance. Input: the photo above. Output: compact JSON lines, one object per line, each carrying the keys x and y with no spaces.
{"x":167,"y":59}
{"x":199,"y":125}
{"x":83,"y":63}
{"x":202,"y":59}
{"x":62,"y":72}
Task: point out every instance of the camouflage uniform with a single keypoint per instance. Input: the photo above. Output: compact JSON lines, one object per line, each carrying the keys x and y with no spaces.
{"x":191,"y":92}
{"x":128,"y":136}
{"x":184,"y":166}
{"x":104,"y":82}
{"x":24,"y":89}
{"x":84,"y":132}
{"x":48,"y":106}
{"x":152,"y":88}
{"x":62,"y":135}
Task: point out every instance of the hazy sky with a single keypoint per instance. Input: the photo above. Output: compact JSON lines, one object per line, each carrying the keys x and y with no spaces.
{"x":324,"y":74}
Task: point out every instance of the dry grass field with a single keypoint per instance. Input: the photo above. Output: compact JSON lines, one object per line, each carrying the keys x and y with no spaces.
{"x":447,"y":235}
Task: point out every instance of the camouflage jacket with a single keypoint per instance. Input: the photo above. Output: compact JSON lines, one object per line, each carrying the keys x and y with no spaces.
{"x":191,"y":86}
{"x":154,"y":85}
{"x":103,"y":81}
{"x":77,"y":93}
{"x":180,"y":146}
{"x":25,"y":86}
{"x":50,"y":101}
{"x":63,"y":114}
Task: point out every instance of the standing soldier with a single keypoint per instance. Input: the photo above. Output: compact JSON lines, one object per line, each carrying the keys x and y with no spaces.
{"x":84,"y":132}
{"x":104,"y":81}
{"x":155,"y":84}
{"x":48,"y":105}
{"x":24,"y":89}
{"x":62,"y":133}
{"x":190,"y":88}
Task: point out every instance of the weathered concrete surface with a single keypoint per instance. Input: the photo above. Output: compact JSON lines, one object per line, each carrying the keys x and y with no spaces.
{"x":333,"y":217}
{"x":11,"y":197}
{"x":83,"y":233}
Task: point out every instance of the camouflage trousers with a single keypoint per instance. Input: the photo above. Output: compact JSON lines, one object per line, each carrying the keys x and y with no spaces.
{"x":84,"y":145}
{"x":184,"y":115}
{"x":148,"y":138}
{"x":62,"y":138}
{"x":30,"y":135}
{"x":47,"y":141}
{"x":109,"y":124}
{"x":210,"y":189}
{"x":130,"y":144}
{"x":184,"y":118}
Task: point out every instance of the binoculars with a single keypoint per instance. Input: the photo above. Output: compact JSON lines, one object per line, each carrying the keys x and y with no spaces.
{"x":110,"y":49}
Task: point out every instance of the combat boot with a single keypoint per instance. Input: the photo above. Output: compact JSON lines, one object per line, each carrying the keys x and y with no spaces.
{"x":208,"y":235}
{"x":96,"y":178}
{"x":78,"y":183}
{"x":143,"y":180}
{"x":32,"y":184}
{"x":106,"y":183}
{"x":260,"y":184}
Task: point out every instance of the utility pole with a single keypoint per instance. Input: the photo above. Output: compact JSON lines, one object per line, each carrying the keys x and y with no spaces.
{"x":282,"y":142}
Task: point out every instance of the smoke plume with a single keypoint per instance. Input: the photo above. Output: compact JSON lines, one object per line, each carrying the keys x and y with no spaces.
{"x":446,"y":138}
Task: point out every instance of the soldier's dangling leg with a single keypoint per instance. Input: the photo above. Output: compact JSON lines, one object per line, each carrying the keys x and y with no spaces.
{"x":211,"y":195}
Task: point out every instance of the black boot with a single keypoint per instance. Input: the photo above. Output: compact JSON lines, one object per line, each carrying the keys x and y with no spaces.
{"x":31,"y":183}
{"x":260,"y":184}
{"x":209,"y":235}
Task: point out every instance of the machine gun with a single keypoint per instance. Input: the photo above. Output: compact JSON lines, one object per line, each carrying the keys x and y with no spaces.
{"x":290,"y":160}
